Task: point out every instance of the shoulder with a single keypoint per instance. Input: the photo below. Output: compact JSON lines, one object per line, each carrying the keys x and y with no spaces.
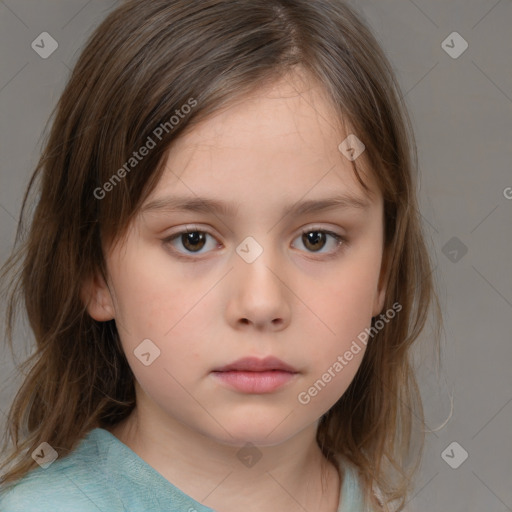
{"x":76,"y":482}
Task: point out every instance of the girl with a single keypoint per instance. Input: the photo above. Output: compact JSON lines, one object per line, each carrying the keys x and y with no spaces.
{"x":225,"y":271}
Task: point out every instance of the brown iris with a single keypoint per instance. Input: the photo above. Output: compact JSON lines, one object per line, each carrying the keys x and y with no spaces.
{"x":192,"y":239}
{"x":312,"y":237}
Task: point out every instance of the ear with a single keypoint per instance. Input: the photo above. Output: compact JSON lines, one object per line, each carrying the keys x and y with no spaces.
{"x":380,"y":296}
{"x":96,"y":296}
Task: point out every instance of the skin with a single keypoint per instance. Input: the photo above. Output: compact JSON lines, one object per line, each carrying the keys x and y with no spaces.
{"x":278,"y":146}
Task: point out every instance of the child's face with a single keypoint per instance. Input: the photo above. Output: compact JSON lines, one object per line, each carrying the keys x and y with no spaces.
{"x":303,"y":299}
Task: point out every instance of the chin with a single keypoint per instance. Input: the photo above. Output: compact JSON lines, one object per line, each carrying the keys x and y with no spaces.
{"x":241,"y":438}
{"x":269,"y":433}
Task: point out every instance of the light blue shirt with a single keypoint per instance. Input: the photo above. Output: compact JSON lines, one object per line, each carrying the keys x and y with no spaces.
{"x":102,"y":474}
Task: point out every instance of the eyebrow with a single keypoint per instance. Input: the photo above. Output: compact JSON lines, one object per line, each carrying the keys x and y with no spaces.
{"x":208,"y":205}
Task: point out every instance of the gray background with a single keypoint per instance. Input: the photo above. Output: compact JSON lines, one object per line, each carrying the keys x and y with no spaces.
{"x":462,"y":113}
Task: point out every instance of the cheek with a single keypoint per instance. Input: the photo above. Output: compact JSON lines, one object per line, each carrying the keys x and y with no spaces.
{"x":344,"y":308}
{"x":177,"y":351}
{"x":171,"y":309}
{"x":345,"y":303}
{"x":345,"y":311}
{"x":153,"y":295}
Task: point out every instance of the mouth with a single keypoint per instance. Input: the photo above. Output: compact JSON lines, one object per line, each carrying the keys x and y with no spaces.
{"x":252,"y":375}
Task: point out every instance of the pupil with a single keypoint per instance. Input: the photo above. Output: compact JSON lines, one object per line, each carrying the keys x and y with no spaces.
{"x":313,"y":237}
{"x":194,"y":238}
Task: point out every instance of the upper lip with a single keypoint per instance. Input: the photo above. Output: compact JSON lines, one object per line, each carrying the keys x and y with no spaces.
{"x":253,"y":364}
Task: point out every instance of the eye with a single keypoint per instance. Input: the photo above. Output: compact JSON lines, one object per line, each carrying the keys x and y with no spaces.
{"x":193,"y":240}
{"x":315,"y":239}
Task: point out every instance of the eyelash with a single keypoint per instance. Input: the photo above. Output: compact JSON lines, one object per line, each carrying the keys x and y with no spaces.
{"x":341,"y":242}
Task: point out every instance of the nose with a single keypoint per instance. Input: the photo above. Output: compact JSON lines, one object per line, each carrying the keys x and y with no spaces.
{"x":260,"y":297}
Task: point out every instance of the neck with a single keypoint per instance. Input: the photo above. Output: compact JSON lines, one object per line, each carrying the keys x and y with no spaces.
{"x":287,"y":476}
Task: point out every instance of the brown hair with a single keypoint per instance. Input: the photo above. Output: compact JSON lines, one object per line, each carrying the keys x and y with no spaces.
{"x":141,"y":65}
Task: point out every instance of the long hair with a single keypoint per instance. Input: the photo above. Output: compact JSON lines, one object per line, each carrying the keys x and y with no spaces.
{"x":139,"y":68}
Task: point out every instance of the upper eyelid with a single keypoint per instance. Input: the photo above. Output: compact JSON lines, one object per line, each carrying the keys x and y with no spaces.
{"x":193,"y":228}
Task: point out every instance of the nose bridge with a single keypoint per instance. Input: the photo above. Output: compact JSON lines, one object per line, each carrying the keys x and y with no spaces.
{"x":260,"y":296}
{"x":258,"y":258}
{"x":250,"y":249}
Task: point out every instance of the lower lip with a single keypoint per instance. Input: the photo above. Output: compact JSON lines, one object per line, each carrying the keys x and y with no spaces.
{"x":255,"y":382}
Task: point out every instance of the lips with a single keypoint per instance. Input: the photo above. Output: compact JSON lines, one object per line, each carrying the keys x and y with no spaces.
{"x":251,"y":375}
{"x":253,"y":364}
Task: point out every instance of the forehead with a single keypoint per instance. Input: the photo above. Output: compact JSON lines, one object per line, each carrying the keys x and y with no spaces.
{"x":280,"y":142}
